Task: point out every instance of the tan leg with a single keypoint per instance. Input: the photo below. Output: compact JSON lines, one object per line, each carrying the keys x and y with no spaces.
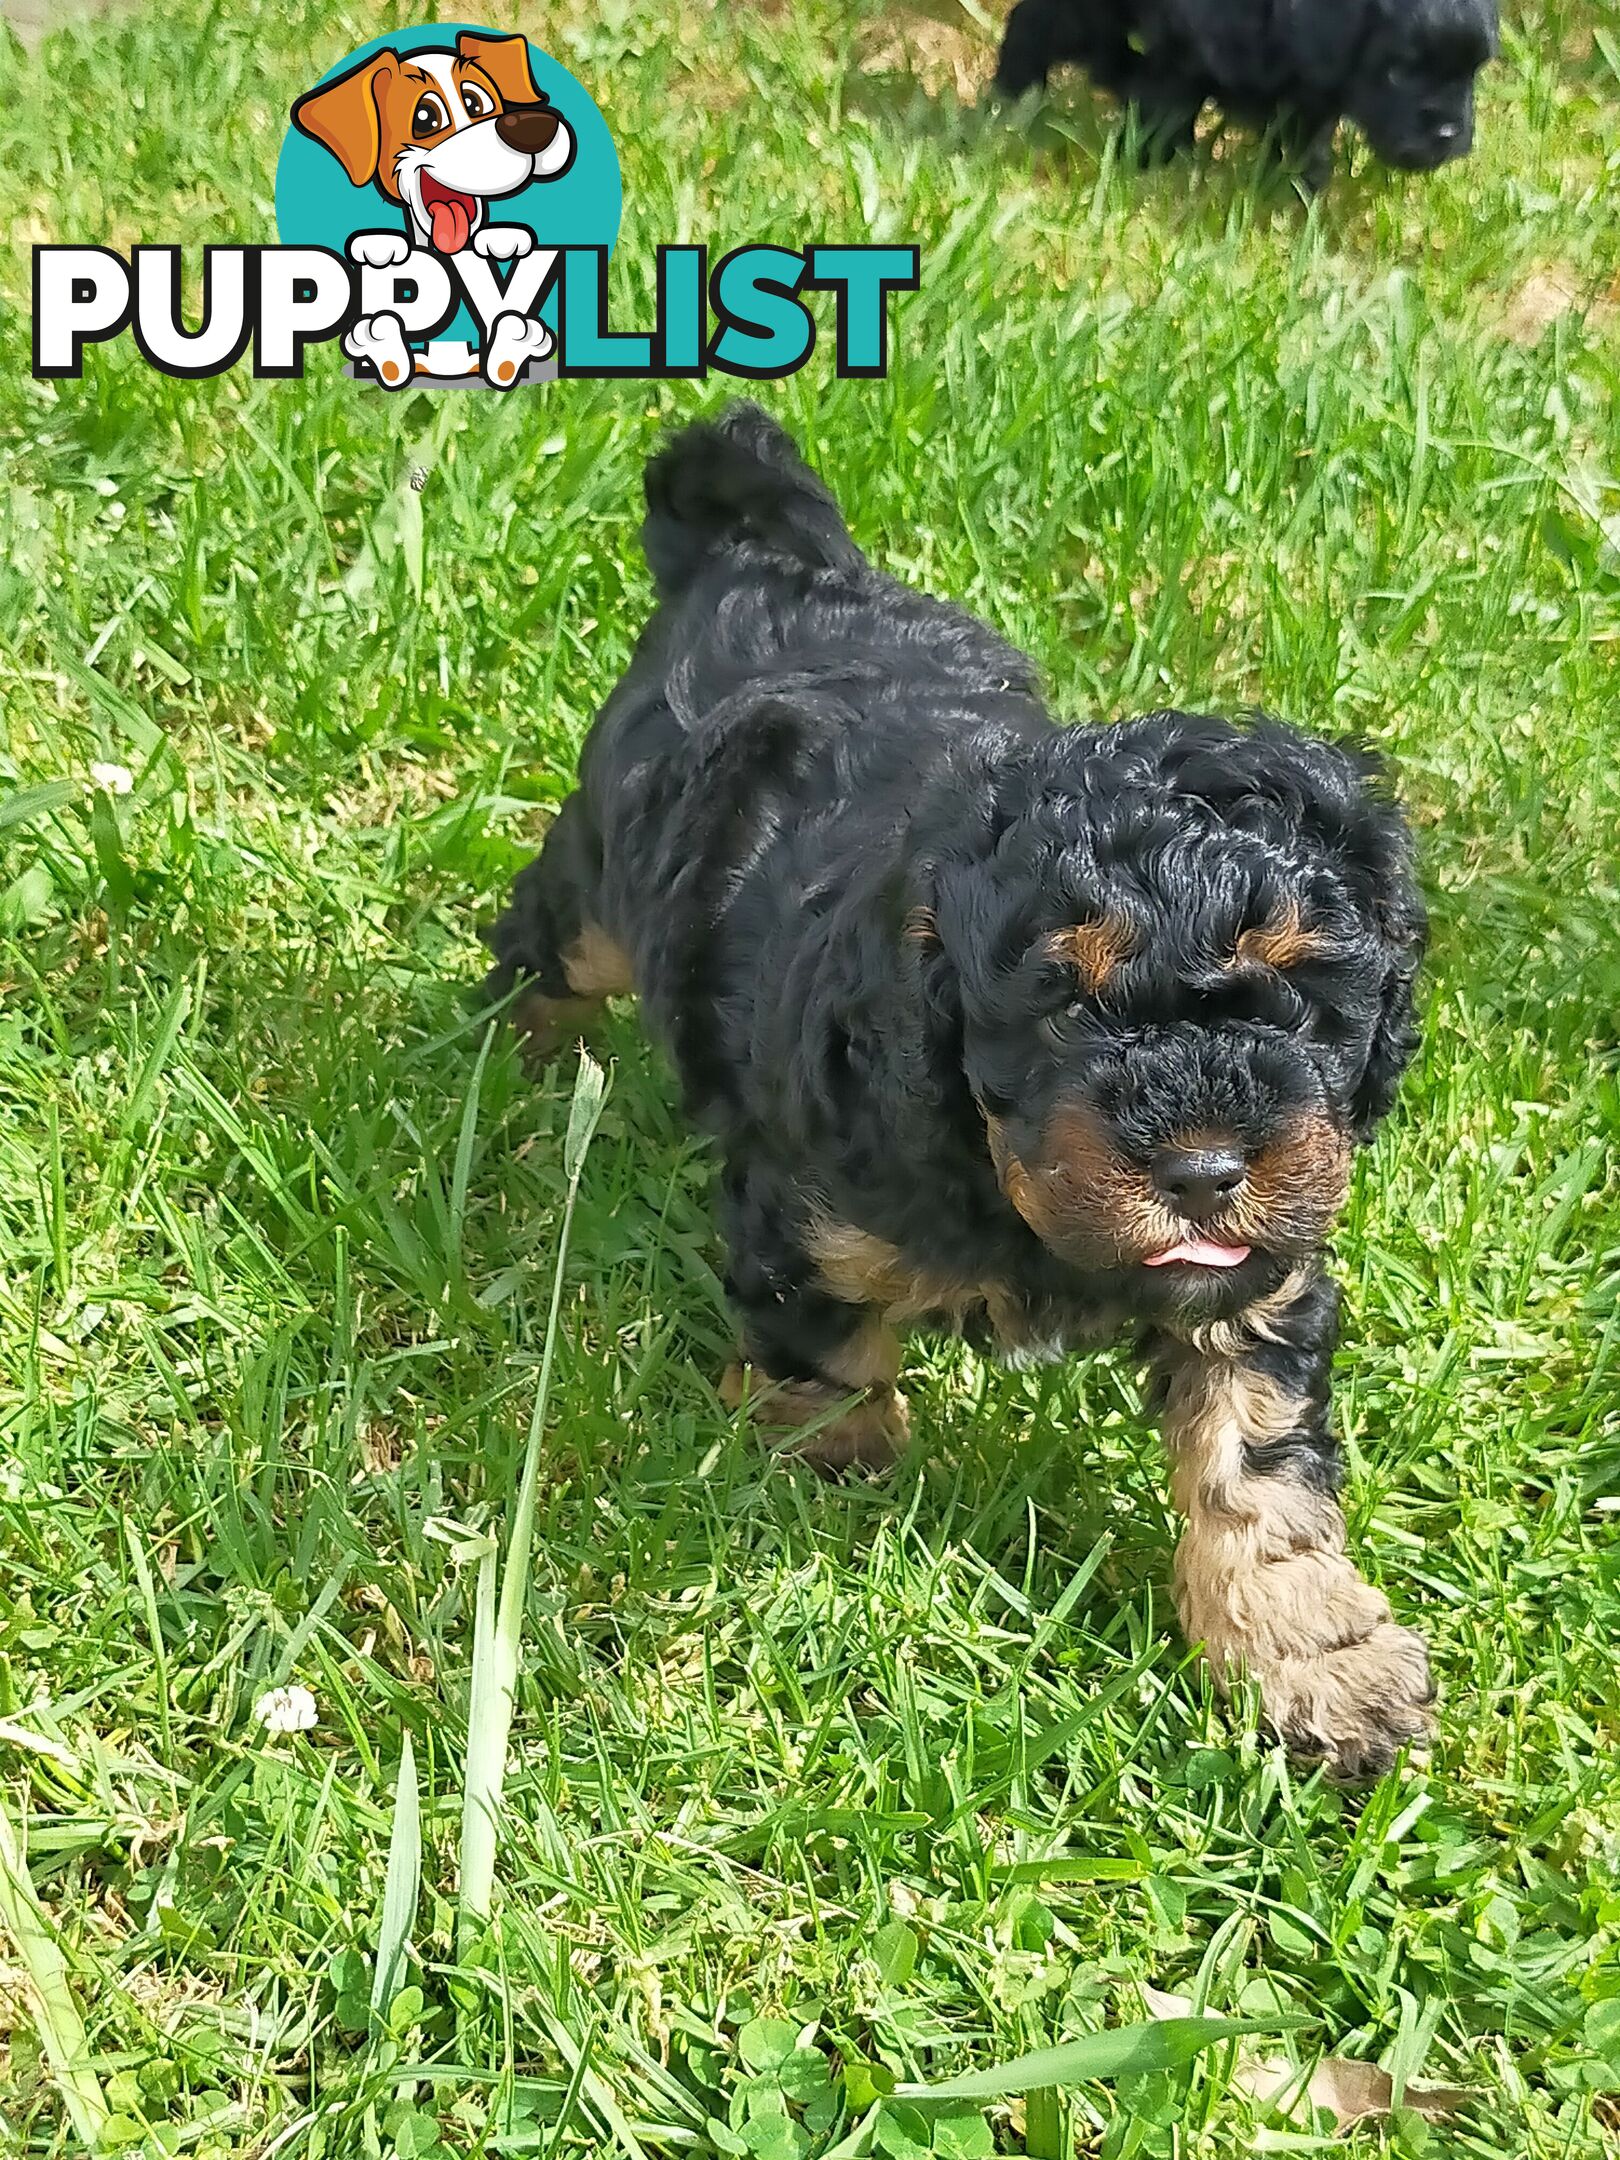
{"x":1262,"y":1577}
{"x":595,"y":968}
{"x":866,"y":1434}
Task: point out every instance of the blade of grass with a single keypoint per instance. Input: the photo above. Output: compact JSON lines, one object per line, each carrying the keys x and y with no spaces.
{"x":401,"y":1885}
{"x":486,"y":1758}
{"x":35,"y":802}
{"x":1163,"y":2045}
{"x":1043,"y":2124}
{"x":56,"y":2015}
{"x":154,"y":1630}
{"x":461,"y":1170}
{"x":494,"y":1681}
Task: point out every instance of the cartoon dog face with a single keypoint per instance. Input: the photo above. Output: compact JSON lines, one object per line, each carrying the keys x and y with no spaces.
{"x":441,"y":132}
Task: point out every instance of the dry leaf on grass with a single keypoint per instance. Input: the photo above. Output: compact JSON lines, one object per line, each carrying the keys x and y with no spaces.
{"x":954,"y":14}
{"x":1540,"y":299}
{"x":1349,"y":2091}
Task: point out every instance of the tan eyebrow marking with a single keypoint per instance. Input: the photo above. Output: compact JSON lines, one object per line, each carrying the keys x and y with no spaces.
{"x":1280,"y":945}
{"x":1094,"y":948}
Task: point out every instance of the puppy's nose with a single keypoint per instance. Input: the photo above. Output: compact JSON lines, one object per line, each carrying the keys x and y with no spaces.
{"x":1198,"y":1181}
{"x":528,"y":128}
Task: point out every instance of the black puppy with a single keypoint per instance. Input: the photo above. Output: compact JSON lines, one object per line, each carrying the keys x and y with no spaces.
{"x":1044,"y":1034}
{"x":1402,"y":70}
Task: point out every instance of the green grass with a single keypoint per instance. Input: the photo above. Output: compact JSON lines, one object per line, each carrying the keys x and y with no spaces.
{"x":920,"y":1772}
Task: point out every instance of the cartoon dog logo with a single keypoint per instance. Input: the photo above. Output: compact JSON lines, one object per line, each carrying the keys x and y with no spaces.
{"x":442,"y":134}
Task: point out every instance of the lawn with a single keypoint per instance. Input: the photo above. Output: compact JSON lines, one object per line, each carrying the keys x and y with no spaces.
{"x":811,"y":1788}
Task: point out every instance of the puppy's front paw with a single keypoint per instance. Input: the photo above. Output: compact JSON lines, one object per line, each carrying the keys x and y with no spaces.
{"x":378,"y":250}
{"x":801,"y":1419}
{"x":1338,"y":1680}
{"x":503,"y":243}
{"x":1309,"y":161}
{"x":1355,"y":1705}
{"x":546,"y":1025}
{"x":870,"y":1437}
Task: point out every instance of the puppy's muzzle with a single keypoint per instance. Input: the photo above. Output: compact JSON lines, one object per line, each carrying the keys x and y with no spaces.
{"x":527,"y":128}
{"x":1199,"y":1181}
{"x":1096,"y":1207}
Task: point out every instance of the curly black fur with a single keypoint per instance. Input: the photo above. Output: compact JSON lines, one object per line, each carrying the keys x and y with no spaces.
{"x":834,"y":828}
{"x":1402,"y":70}
{"x":993,"y":1012}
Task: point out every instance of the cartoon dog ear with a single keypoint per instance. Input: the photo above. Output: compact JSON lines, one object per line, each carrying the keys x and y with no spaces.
{"x":345,"y":116}
{"x":505,"y":60}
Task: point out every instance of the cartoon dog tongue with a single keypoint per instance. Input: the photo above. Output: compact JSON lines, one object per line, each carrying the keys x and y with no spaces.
{"x":451,"y":221}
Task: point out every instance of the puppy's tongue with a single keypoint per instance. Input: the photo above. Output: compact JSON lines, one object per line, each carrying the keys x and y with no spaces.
{"x":451,"y":223}
{"x":1202,"y":1252}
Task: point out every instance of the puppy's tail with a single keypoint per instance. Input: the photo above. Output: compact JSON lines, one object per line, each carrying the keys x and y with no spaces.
{"x":727,"y":483}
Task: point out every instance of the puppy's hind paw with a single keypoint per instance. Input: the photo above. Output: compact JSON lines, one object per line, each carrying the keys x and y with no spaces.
{"x":1355,"y":1706}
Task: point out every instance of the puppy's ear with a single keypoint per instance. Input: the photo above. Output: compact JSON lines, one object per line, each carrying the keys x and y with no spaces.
{"x":1382,"y":848}
{"x":345,"y":116}
{"x":1326,"y":37}
{"x":1272,"y":780}
{"x":1341,"y":796}
{"x":931,"y":1019}
{"x":924,"y":962}
{"x":505,"y":60}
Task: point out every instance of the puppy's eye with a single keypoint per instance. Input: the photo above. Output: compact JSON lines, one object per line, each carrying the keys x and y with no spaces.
{"x":1321,"y":1024}
{"x":478,"y":102}
{"x":430,"y":117}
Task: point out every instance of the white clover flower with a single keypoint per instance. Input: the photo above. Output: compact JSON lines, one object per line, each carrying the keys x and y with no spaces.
{"x":114,"y":779}
{"x":286,"y":1709}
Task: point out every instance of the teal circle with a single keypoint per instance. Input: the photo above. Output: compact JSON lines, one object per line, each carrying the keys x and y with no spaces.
{"x":317,"y":205}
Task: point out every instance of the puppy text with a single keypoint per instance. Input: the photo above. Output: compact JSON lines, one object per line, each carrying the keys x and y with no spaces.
{"x":746,"y":314}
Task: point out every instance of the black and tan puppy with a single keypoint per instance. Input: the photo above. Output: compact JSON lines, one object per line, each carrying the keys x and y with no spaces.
{"x":1402,"y":70}
{"x":1047,"y":1034}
